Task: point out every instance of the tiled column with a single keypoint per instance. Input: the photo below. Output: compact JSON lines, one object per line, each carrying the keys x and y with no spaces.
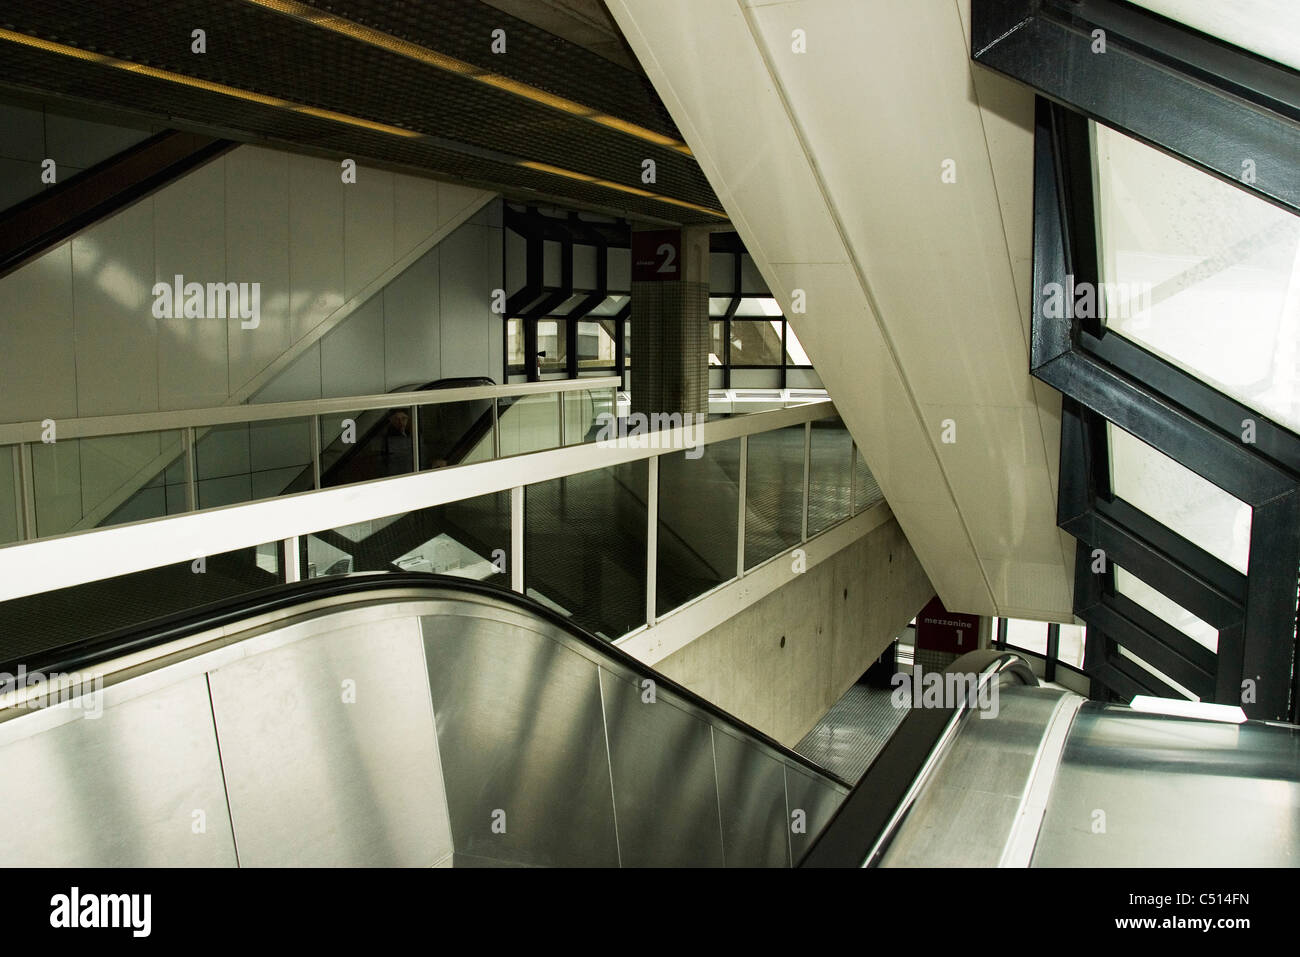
{"x":670,"y":327}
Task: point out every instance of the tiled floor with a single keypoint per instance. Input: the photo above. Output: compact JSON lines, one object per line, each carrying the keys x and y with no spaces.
{"x":848,"y":738}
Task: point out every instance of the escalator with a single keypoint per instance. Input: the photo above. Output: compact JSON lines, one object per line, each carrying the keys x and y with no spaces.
{"x":418,"y":720}
{"x":398,"y":719}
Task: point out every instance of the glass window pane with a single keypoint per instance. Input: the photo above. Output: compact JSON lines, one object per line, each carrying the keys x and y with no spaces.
{"x":1029,"y":635}
{"x":756,"y":342}
{"x":1125,"y":653}
{"x":610,"y":307}
{"x":716,"y":345}
{"x":831,"y":459}
{"x":1197,"y":510}
{"x":1070,"y":648}
{"x":718,"y":305}
{"x":1218,"y":268}
{"x":794,"y":352}
{"x":1166,"y":609}
{"x":515,"y":347}
{"x":757,"y":306}
{"x":773,"y":493}
{"x":596,"y":344}
{"x":585,"y":547}
{"x":552,"y":340}
{"x":699,"y":492}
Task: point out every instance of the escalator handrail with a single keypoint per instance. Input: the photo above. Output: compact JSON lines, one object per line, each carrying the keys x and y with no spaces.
{"x":859,"y":832}
{"x":85,"y":655}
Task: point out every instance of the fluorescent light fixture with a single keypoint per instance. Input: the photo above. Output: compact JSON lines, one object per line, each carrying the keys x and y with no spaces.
{"x":1202,"y":710}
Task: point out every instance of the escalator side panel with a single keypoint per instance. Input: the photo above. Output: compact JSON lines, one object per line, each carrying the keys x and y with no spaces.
{"x":122,"y":780}
{"x":329,"y":749}
{"x":521,"y":733}
{"x":665,"y":787}
{"x":751,"y":791}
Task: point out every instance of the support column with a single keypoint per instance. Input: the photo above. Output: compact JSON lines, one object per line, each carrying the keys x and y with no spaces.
{"x":670,"y":321}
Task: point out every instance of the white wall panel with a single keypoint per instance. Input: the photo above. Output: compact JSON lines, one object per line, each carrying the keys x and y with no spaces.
{"x":112,"y":275}
{"x":189,"y":225}
{"x":38,"y":358}
{"x":412,"y":341}
{"x":472,"y":253}
{"x":315,"y":242}
{"x":415,"y":213}
{"x":352,"y":355}
{"x":367,"y":228}
{"x":257,"y":250}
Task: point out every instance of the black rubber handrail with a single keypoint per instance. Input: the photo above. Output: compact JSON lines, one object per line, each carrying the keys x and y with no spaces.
{"x":85,"y":655}
{"x":864,"y":820}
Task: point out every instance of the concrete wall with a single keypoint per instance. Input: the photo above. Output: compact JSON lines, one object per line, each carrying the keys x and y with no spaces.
{"x":835,"y":619}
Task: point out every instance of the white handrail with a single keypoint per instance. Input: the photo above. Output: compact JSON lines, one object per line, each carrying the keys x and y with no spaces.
{"x":142,"y":422}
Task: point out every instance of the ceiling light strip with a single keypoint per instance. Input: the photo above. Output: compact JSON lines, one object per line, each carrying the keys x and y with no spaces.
{"x":128,"y":66}
{"x":386,"y":41}
{"x":210,"y":87}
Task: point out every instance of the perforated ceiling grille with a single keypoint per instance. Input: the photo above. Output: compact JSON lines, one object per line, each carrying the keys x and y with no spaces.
{"x":470,"y":131}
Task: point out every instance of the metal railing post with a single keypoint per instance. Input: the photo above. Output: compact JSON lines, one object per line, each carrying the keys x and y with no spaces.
{"x":517,"y":539}
{"x":853,"y":477}
{"x":740,"y":514}
{"x":292,"y":559}
{"x":191,"y":470}
{"x":807,"y":477}
{"x":27,"y":491}
{"x":414,"y":426}
{"x":651,"y":538}
{"x":496,"y":429}
{"x":315,"y":451}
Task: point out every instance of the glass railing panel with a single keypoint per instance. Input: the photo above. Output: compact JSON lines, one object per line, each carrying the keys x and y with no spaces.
{"x":363,"y":446}
{"x":466,"y":539}
{"x":585,"y":412}
{"x":456,"y":433}
{"x":865,"y":490}
{"x":10,"y":528}
{"x":248,"y":461}
{"x":38,"y":623}
{"x":699,"y":492}
{"x":773,"y":493}
{"x":108,"y":480}
{"x":830,"y":476}
{"x":529,"y":423}
{"x":585,"y":547}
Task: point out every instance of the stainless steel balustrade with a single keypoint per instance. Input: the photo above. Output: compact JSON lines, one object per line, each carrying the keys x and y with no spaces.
{"x":407,"y":726}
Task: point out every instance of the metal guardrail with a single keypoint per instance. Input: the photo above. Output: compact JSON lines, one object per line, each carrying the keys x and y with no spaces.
{"x":97,"y":554}
{"x":189,"y":427}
